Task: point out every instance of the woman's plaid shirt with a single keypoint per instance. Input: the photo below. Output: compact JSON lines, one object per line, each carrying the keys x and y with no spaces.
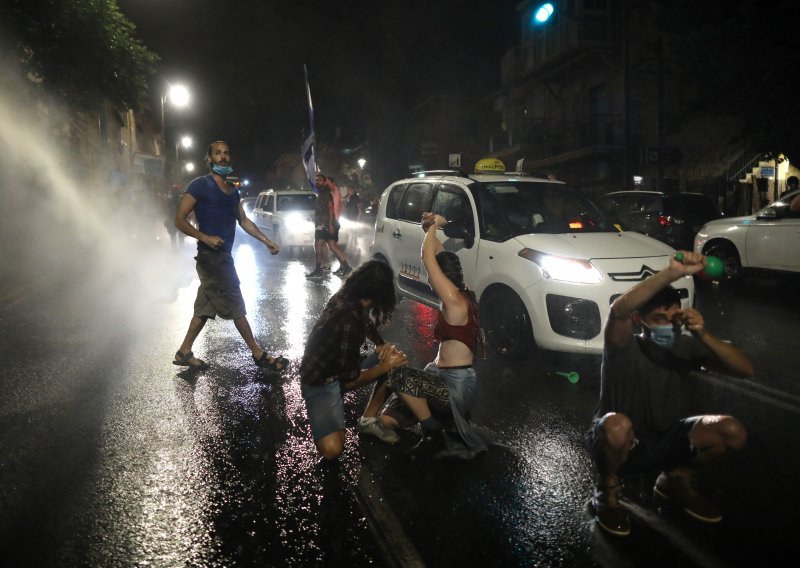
{"x":332,"y":351}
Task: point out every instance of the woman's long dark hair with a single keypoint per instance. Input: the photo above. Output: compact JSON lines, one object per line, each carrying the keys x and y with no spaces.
{"x":373,"y":280}
{"x":451,"y":266}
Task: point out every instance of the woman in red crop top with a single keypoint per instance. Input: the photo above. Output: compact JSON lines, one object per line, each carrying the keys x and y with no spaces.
{"x":446,"y":388}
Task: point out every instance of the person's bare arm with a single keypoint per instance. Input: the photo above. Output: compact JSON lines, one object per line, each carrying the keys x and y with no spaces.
{"x":727,"y":358}
{"x":619,"y":325}
{"x":252,"y":229}
{"x":448,"y":293}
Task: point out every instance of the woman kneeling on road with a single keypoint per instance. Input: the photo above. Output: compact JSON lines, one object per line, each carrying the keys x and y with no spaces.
{"x":331,"y":361}
{"x":447,"y":387}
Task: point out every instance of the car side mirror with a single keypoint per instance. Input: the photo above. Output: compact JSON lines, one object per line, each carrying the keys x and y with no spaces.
{"x":458,"y":230}
{"x":768,"y":213}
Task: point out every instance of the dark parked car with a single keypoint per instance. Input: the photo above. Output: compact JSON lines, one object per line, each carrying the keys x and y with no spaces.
{"x":672,"y":218}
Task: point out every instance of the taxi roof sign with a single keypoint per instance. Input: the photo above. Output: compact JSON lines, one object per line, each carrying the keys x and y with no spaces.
{"x":490,"y":166}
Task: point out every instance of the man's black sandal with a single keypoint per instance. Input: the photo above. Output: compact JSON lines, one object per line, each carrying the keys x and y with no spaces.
{"x":183,"y":360}
{"x":276,"y":364}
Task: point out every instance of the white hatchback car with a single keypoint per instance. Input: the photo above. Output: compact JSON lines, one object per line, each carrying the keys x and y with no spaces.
{"x":544,"y":261}
{"x":767,"y":240}
{"x":287,"y":217}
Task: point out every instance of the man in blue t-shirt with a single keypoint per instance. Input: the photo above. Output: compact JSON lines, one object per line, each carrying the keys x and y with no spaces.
{"x":218,"y":208}
{"x":637,"y":426}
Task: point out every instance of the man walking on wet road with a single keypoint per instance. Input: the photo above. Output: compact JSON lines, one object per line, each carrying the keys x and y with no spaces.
{"x":326,"y":232}
{"x":218,"y":208}
{"x":637,"y":426}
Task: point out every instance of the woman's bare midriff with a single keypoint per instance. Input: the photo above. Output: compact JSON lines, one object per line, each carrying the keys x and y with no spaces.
{"x":453,"y":353}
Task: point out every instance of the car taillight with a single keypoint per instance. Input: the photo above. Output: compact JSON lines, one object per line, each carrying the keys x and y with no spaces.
{"x":664,"y":221}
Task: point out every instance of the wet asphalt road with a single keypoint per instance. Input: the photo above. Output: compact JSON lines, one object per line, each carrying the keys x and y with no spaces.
{"x":112,"y":456}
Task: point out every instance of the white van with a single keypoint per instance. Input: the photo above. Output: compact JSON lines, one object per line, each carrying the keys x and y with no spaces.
{"x":543,"y":259}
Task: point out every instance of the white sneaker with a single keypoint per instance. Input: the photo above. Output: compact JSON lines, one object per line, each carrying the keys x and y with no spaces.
{"x":376,"y":428}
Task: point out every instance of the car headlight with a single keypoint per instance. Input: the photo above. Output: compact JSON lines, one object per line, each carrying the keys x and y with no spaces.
{"x":298,"y":223}
{"x":562,"y":268}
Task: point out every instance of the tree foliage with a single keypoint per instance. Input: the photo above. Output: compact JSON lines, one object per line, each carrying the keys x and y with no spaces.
{"x":84,"y":50}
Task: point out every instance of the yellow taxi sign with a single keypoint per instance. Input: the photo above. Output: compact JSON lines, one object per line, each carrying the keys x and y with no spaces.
{"x":490,"y":166}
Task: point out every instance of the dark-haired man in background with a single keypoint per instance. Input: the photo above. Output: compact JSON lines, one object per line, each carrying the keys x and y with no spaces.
{"x":637,"y":426}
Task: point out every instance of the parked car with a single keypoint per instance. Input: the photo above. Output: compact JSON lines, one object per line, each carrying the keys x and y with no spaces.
{"x":287,"y":217}
{"x":767,"y":240}
{"x":543,"y":259}
{"x":672,"y":218}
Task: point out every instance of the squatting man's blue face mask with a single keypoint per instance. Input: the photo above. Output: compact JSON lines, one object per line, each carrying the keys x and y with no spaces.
{"x":663,"y":335}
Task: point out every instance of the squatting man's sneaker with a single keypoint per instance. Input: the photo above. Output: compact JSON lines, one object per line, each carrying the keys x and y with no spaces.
{"x":680,"y":491}
{"x":315,"y":274}
{"x":612,"y":519}
{"x":376,"y":428}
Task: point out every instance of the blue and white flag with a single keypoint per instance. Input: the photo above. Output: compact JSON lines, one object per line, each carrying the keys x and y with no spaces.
{"x":307,"y":150}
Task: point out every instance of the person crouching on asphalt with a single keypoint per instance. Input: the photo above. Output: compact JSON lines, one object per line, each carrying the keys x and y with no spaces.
{"x":637,"y":426}
{"x":331,"y":360}
{"x":448,"y":385}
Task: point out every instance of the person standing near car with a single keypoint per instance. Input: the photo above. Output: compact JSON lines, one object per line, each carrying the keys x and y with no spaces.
{"x":352,"y":204}
{"x":217,"y":207}
{"x":326,"y":231}
{"x":637,"y":426}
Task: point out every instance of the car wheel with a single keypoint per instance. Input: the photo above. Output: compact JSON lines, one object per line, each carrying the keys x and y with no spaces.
{"x":729,"y":256}
{"x":506,"y":323}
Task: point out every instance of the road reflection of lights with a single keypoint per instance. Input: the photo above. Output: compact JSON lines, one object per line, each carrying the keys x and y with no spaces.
{"x":247,"y":269}
{"x":296,"y":324}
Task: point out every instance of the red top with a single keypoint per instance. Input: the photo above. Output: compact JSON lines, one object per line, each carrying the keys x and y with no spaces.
{"x":467,"y":333}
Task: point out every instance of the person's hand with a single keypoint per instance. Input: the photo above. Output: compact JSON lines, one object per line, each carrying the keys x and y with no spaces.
{"x":382,"y":350}
{"x":427,"y":221}
{"x":394,"y":358}
{"x":692,"y":263}
{"x":272,"y":247}
{"x":694,"y":322}
{"x":213,"y":241}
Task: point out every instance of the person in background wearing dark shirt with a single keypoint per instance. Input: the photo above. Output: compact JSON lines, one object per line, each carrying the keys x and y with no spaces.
{"x":637,"y":427}
{"x":352,"y":204}
{"x":331,"y":359}
{"x":218,"y":208}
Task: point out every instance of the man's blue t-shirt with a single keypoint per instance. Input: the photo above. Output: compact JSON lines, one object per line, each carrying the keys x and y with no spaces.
{"x":216,"y":212}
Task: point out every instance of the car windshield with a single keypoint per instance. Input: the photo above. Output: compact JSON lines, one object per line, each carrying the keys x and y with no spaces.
{"x":300,"y":202}
{"x":541,"y":207}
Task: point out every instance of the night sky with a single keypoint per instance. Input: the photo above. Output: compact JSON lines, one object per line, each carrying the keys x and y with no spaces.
{"x":368,"y":62}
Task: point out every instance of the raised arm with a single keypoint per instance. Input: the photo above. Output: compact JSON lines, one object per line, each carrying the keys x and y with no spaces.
{"x":447,"y":291}
{"x":619,"y":327}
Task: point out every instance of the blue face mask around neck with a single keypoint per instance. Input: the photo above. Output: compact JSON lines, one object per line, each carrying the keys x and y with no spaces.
{"x":222,"y":170}
{"x":663,"y":335}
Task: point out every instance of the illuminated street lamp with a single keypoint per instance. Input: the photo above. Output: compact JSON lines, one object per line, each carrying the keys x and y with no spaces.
{"x":189,"y":167}
{"x":185,"y":141}
{"x":178,"y":95}
{"x":361,"y":163}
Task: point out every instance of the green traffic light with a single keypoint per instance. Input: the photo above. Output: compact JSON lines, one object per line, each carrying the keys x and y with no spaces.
{"x":543,"y":13}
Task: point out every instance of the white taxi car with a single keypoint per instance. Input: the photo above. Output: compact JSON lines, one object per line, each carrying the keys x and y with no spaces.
{"x":767,"y":240}
{"x":287,"y":217}
{"x":543,"y":259}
